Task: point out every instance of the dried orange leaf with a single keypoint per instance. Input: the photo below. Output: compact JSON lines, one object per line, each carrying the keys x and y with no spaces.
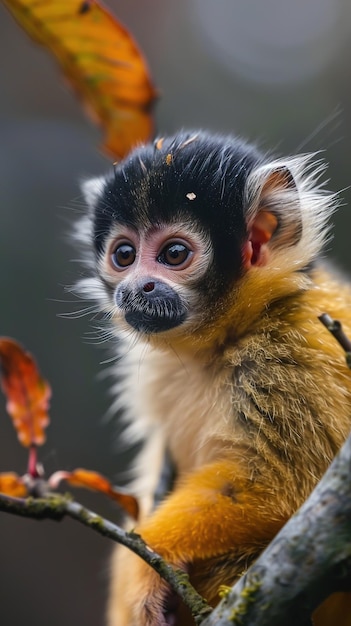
{"x":12,"y":485}
{"x":27,"y":393}
{"x":97,"y":482}
{"x":101,"y":61}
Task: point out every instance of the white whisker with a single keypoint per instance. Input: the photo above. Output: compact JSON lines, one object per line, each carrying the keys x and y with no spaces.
{"x":89,"y":310}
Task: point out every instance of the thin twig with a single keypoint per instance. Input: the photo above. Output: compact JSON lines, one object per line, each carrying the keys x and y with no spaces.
{"x":335,"y":328}
{"x":56,"y":506}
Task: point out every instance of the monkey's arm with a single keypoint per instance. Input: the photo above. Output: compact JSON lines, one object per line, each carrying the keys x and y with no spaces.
{"x":216,"y":511}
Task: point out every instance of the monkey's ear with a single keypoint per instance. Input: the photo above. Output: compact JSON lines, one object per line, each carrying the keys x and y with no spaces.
{"x":92,"y":190}
{"x":274,"y":217}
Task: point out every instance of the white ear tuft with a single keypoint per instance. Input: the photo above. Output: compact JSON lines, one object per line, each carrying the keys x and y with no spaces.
{"x":92,"y":190}
{"x":82,"y":232}
{"x":302,"y":206}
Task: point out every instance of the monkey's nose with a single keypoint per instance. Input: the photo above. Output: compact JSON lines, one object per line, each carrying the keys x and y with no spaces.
{"x":149,"y":286}
{"x":152,"y":289}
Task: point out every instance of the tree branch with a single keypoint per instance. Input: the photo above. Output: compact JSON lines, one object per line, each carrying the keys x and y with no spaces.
{"x":56,"y":506}
{"x":309,"y":559}
{"x":335,"y":328}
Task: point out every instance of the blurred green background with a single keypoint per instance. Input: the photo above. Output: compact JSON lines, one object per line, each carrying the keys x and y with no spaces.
{"x":273,"y":71}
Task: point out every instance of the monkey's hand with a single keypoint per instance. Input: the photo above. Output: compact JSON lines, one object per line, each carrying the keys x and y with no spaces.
{"x":216,"y":511}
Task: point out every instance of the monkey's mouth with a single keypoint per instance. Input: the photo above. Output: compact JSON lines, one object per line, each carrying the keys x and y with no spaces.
{"x":153,"y":307}
{"x":149,"y":322}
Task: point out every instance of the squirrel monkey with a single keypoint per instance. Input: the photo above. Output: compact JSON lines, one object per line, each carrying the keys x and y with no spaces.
{"x":204,"y":255}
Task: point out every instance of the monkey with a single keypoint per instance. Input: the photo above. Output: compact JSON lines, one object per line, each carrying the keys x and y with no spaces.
{"x":204,"y":255}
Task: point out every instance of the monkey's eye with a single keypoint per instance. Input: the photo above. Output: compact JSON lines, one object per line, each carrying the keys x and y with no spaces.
{"x":123,"y":256}
{"x":174,"y":254}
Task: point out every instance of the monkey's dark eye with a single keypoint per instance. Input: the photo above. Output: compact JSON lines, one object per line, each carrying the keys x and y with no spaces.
{"x":124,"y":255}
{"x":174,"y":254}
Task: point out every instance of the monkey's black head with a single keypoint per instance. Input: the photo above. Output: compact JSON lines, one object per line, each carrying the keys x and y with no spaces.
{"x":177,"y":224}
{"x":190,"y":179}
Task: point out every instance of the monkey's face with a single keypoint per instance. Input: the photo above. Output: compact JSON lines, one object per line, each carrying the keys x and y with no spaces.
{"x":185,"y":236}
{"x":168,"y":232}
{"x":151,"y":275}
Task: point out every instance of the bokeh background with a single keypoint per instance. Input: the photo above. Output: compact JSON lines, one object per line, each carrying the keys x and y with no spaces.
{"x":273,"y":71}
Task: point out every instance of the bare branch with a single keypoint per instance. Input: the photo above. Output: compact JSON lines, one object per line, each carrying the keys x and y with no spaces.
{"x":309,"y":559}
{"x":335,"y":328}
{"x":56,"y":506}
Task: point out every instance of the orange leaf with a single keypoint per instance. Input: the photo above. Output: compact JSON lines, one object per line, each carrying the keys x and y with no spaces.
{"x":97,"y":482}
{"x":102,"y":62}
{"x":12,"y":485}
{"x":27,"y":393}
